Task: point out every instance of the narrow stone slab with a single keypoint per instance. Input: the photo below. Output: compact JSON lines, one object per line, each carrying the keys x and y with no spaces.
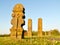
{"x":40,"y":27}
{"x":29,"y":27}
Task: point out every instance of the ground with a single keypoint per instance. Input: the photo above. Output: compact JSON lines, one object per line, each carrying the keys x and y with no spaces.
{"x":30,"y":41}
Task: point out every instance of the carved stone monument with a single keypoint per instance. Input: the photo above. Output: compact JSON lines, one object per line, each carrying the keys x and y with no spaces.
{"x":29,"y":27}
{"x":49,"y":33}
{"x":40,"y":27}
{"x":17,"y":21}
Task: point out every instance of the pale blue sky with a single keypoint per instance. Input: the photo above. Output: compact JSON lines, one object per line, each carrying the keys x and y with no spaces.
{"x":48,"y":10}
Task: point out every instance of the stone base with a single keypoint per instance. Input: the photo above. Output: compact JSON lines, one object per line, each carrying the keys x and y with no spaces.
{"x":13,"y":37}
{"x":29,"y":34}
{"x":16,"y":33}
{"x":19,"y":33}
{"x":13,"y":33}
{"x":19,"y":37}
{"x":39,"y":34}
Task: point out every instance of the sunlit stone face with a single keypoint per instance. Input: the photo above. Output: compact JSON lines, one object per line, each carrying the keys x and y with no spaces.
{"x":17,"y":21}
{"x":18,"y":7}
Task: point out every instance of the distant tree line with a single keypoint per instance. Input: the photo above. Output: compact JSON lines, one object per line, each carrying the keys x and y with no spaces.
{"x":54,"y":32}
{"x":5,"y":35}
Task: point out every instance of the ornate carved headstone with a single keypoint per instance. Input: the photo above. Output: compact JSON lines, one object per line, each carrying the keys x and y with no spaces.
{"x":40,"y":27}
{"x":17,"y":21}
{"x":29,"y":27}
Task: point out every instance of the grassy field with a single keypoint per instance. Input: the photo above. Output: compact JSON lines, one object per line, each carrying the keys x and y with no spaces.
{"x":30,"y":41}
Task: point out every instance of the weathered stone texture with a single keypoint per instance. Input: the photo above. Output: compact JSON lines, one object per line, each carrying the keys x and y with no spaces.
{"x":40,"y":27}
{"x":17,"y":21}
{"x":29,"y":28}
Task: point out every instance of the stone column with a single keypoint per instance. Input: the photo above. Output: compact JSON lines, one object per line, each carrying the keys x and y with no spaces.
{"x":17,"y":21}
{"x":40,"y":27}
{"x":29,"y":27}
{"x":49,"y":33}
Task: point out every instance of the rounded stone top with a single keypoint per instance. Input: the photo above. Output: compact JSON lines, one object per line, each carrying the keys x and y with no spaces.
{"x":18,"y":7}
{"x":39,"y":18}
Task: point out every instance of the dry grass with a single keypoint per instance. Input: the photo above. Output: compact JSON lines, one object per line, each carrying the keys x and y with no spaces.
{"x":28,"y":41}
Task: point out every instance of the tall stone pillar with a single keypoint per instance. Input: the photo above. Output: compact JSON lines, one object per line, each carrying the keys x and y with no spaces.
{"x":17,"y":21}
{"x":29,"y":27}
{"x":49,"y":33}
{"x":40,"y":27}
